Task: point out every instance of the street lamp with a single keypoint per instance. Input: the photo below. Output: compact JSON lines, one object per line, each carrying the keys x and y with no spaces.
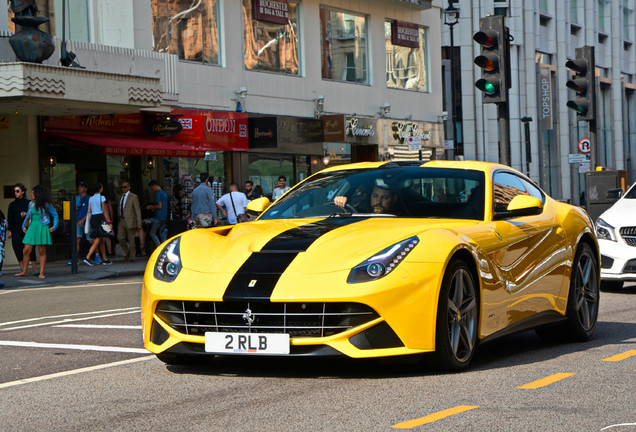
{"x":526,"y":125}
{"x":451,"y":17}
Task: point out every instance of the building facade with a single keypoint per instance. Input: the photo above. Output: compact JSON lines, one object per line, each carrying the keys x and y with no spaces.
{"x":241,"y":89}
{"x":546,"y":34}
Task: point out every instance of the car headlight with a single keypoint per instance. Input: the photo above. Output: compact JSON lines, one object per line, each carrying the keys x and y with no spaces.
{"x":604,"y":230}
{"x":168,"y":264}
{"x":382,"y":263}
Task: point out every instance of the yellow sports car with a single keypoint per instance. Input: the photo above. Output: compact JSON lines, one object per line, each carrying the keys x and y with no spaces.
{"x":378,"y":259}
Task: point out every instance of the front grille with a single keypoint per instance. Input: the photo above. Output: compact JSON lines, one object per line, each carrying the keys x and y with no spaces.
{"x":296,"y":319}
{"x":606,"y":262}
{"x":630,"y":267}
{"x":629,"y":235}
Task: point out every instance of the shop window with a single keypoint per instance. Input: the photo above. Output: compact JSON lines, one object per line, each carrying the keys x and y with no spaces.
{"x":264,"y":170}
{"x":406,"y":67}
{"x":271,"y":46}
{"x":77,"y":21}
{"x":344,"y":46}
{"x":186,"y":28}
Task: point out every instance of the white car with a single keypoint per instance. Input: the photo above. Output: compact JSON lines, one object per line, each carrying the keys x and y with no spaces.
{"x":616,"y":232}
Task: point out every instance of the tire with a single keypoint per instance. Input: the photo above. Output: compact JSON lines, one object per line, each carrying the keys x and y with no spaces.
{"x":457,"y":319}
{"x":584,"y":295}
{"x":611,"y":285}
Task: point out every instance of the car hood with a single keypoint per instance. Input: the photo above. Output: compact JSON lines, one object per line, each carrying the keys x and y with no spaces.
{"x":319,"y":245}
{"x":621,"y":213}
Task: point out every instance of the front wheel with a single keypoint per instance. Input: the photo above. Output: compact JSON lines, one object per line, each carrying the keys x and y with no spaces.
{"x":457,"y":319}
{"x":583,"y":298}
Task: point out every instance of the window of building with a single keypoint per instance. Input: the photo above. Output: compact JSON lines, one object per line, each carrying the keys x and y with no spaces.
{"x":187,"y":28}
{"x":574,"y":11}
{"x":344,"y":46}
{"x":601,"y":15}
{"x":407,"y":67}
{"x":627,"y":13}
{"x":76,"y":22}
{"x":543,"y":6}
{"x":268,"y":45}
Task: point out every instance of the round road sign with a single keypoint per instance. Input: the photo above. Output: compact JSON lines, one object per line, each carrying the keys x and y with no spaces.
{"x":584,"y":145}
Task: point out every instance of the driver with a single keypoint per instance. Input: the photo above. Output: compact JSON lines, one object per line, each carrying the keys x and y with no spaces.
{"x":382,"y":199}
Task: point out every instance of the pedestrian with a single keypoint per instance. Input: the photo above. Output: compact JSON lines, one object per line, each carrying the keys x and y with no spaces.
{"x":37,"y":227}
{"x":3,"y":238}
{"x":258,"y":190}
{"x":101,"y":225}
{"x":233,"y":205}
{"x":280,"y":188}
{"x":250,"y":192}
{"x":17,"y":212}
{"x":203,"y":206}
{"x":129,"y":221}
{"x":160,"y":207}
{"x":81,"y":207}
{"x":108,"y":244}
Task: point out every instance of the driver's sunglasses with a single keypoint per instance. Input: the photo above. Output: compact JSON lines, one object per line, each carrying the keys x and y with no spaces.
{"x":17,"y":190}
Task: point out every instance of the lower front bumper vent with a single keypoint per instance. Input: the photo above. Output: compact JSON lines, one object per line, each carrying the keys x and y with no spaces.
{"x":297,"y":319}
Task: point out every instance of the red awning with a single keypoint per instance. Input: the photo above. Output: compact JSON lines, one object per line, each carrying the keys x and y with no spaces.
{"x":135,"y":146}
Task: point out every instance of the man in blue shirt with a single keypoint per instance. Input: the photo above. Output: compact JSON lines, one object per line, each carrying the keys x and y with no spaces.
{"x":160,"y":207}
{"x":81,"y":205}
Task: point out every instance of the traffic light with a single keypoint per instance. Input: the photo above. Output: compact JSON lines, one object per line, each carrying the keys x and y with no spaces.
{"x":583,"y":83}
{"x":494,"y":59}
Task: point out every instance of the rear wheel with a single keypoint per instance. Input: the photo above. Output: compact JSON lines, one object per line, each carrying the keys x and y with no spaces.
{"x":583,"y":298}
{"x":457,"y":319}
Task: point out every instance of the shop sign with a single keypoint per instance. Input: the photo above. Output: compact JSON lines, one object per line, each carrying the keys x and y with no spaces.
{"x":166,"y":127}
{"x":262,"y":132}
{"x":333,"y":128}
{"x":545,"y":98}
{"x":274,"y":11}
{"x":294,"y":130}
{"x":405,"y":129}
{"x":214,"y":130}
{"x":130,"y":124}
{"x":158,"y":152}
{"x":405,"y":34}
{"x":359,"y":128}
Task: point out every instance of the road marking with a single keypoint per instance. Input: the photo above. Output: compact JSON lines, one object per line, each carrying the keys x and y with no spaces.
{"x":618,"y":425}
{"x":97,"y":326}
{"x":73,"y":372}
{"x":68,"y":315}
{"x":409,"y":424}
{"x":78,"y":285}
{"x":621,"y":357}
{"x":67,"y":320}
{"x":546,"y":381}
{"x":74,"y":347}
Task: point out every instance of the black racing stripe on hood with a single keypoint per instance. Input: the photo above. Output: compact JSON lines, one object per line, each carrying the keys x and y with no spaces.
{"x":299,"y":239}
{"x":263,"y":269}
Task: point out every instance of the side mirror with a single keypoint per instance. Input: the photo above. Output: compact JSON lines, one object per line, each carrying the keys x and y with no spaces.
{"x":257,"y":206}
{"x":615,"y":194}
{"x":524,"y":205}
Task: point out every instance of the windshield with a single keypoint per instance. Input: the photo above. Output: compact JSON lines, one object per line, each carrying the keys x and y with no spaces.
{"x":631,"y":193}
{"x":396,"y":191}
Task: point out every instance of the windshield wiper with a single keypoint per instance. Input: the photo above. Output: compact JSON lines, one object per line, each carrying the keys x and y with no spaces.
{"x":359,"y":215}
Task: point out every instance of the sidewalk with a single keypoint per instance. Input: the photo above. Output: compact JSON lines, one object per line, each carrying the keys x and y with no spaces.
{"x":58,"y":272}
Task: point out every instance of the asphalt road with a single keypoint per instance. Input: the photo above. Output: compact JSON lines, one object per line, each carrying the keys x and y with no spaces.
{"x":71,"y":358}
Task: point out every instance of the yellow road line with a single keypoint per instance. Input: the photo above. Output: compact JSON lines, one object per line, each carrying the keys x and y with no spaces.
{"x":434,"y":417}
{"x":620,"y":357}
{"x":546,"y":381}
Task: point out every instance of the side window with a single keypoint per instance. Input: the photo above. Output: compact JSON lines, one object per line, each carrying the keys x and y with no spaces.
{"x":533,"y":190}
{"x":506,"y":186}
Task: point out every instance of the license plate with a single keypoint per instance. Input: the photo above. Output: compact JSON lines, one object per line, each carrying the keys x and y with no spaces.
{"x":246,"y":343}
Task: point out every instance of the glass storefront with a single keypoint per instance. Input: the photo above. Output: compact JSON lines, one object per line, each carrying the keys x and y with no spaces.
{"x":344,"y":49}
{"x":407,"y":67}
{"x":270,"y":44}
{"x":187,"y":29}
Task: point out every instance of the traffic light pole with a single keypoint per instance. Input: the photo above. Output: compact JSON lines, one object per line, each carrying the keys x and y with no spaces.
{"x":504,"y":132}
{"x":593,"y":138}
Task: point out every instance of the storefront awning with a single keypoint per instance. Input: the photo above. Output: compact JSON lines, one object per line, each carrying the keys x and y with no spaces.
{"x":134,"y":146}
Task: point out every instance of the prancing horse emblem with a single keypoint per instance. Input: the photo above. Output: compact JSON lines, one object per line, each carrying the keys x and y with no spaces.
{"x":252,"y":283}
{"x":248,"y":317}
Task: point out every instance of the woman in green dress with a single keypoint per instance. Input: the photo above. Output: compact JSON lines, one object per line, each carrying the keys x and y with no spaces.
{"x":41,"y":220}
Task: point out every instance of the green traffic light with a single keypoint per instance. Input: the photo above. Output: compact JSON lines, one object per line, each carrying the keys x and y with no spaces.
{"x":576,"y":107}
{"x":486,"y":86}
